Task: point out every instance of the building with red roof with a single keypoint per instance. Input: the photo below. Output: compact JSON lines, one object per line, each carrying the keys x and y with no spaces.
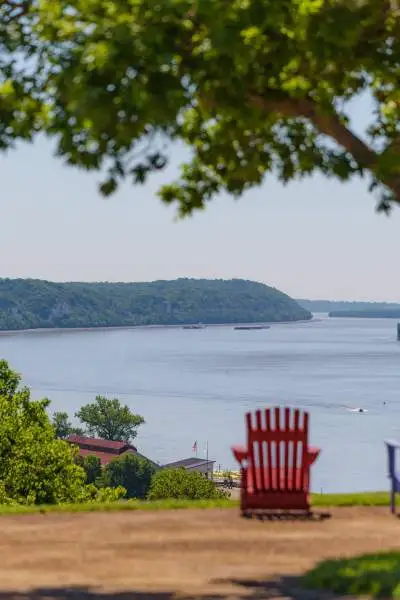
{"x":105,"y":450}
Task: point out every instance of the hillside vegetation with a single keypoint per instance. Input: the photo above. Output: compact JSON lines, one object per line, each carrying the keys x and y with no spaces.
{"x":33,"y":303}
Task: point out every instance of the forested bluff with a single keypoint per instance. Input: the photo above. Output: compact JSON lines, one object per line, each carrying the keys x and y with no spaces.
{"x":37,"y":304}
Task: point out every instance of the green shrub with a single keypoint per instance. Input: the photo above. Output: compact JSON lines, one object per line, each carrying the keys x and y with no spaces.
{"x":130,"y":471}
{"x":180,"y":484}
{"x":92,"y":467}
{"x":92,"y":493}
{"x":5,"y":500}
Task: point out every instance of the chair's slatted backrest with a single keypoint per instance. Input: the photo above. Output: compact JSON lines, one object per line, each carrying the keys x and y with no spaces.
{"x":277,"y":443}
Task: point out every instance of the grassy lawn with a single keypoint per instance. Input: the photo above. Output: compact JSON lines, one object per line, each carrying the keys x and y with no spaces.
{"x":318,"y":500}
{"x":374,"y":575}
{"x":117,"y":506}
{"x":356,"y":499}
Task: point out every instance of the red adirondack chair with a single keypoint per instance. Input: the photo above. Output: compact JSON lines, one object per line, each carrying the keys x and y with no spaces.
{"x":275,"y":466}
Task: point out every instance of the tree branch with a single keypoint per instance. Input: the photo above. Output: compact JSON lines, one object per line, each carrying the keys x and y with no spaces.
{"x":330,"y":125}
{"x":393,"y":146}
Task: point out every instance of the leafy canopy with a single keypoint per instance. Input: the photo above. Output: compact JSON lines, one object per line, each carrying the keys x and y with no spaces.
{"x":251,"y":86}
{"x":108,"y":419}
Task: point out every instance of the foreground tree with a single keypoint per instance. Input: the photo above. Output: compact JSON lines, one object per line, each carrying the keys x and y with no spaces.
{"x":34,"y":466}
{"x":108,"y":419}
{"x":250,"y":86}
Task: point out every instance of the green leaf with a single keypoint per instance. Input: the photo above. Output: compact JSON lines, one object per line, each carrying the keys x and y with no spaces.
{"x":107,"y":188}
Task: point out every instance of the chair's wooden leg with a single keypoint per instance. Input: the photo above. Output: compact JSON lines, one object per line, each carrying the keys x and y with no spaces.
{"x":393,"y":498}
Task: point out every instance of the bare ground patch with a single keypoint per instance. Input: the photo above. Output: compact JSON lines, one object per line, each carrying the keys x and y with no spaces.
{"x":183,"y":553}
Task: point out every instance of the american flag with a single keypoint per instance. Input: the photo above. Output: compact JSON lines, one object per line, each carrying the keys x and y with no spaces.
{"x":194,"y":447}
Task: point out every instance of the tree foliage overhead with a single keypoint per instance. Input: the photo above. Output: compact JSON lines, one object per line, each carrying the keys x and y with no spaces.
{"x":251,"y":86}
{"x":108,"y":419}
{"x":31,"y":303}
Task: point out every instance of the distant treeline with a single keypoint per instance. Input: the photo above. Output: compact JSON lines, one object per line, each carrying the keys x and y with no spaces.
{"x":329,"y":306}
{"x":393,"y":313}
{"x":33,"y":303}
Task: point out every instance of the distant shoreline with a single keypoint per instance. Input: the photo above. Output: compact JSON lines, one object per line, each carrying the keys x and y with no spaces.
{"x":334,"y":315}
{"x":55,"y":330}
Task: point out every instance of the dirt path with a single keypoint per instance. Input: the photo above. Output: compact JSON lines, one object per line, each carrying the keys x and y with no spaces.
{"x":157,"y":555}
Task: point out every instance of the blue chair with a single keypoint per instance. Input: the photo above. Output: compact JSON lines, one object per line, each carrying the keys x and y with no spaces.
{"x":394,"y":476}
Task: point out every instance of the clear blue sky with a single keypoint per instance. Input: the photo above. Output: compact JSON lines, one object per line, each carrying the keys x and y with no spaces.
{"x":315,"y":239}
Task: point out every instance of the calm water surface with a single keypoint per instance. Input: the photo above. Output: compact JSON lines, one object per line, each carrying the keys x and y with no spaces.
{"x":197,"y":384}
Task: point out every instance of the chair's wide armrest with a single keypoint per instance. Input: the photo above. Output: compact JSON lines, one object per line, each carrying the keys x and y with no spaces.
{"x":240,"y":453}
{"x":313,"y":454}
{"x":392,"y":443}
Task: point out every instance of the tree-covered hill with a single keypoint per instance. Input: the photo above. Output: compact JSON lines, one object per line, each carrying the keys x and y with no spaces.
{"x":33,"y":303}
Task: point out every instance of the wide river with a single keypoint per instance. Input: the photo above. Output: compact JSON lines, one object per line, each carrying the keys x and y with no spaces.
{"x":197,"y":384}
